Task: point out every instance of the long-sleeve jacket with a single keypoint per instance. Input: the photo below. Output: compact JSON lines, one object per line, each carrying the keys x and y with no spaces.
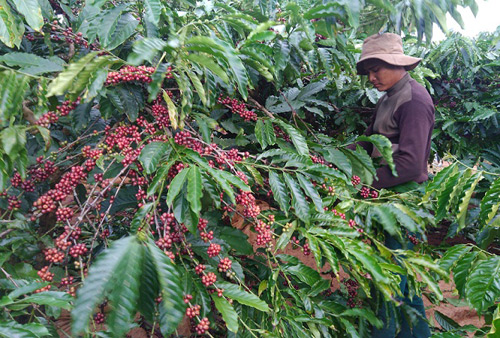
{"x":405,"y":115}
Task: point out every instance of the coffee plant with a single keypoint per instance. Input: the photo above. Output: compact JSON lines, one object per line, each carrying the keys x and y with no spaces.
{"x":181,"y":168}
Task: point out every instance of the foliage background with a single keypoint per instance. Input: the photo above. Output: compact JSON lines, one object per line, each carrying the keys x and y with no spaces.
{"x":120,"y":180}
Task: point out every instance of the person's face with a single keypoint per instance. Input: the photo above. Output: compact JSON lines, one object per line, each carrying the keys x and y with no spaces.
{"x":381,"y":75}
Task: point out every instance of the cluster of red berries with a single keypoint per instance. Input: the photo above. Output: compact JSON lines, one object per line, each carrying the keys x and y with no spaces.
{"x":365,"y":192}
{"x":94,"y":154}
{"x":16,"y":180}
{"x":242,"y":176}
{"x":264,"y":234}
{"x":14,"y":203}
{"x":193,"y":311}
{"x":46,"y":119}
{"x":161,"y":115}
{"x":184,"y":138}
{"x":203,"y":326}
{"x":78,"y":250}
{"x":306,"y":250}
{"x":175,"y":169}
{"x":69,"y":36}
{"x":413,"y":239}
{"x":122,"y":136}
{"x":64,"y":214}
{"x":130,"y":155}
{"x":45,"y":204}
{"x":224,"y":264}
{"x":213,"y":250}
{"x":43,"y":170}
{"x":67,"y":106}
{"x":53,"y":255}
{"x":318,"y":159}
{"x":281,"y":134}
{"x":209,"y":279}
{"x":66,"y":281}
{"x":165,"y":242}
{"x":45,"y":274}
{"x":352,"y":291}
{"x":99,"y":318}
{"x":247,"y":200}
{"x":238,"y":107}
{"x":199,"y":269}
{"x":355,"y":180}
{"x":207,"y":236}
{"x":130,"y":74}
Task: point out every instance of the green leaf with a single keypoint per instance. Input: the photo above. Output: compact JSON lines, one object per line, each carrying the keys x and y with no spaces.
{"x":31,"y":11}
{"x":172,"y":110}
{"x":108,"y":24}
{"x":52,"y":298}
{"x":227,"y":311}
{"x":125,"y":293}
{"x":13,"y":88}
{"x":200,"y":90}
{"x":323,"y":11}
{"x":79,"y":75}
{"x":145,"y":49}
{"x":222,"y":49}
{"x":464,"y":202}
{"x":368,"y":261}
{"x":125,"y":28}
{"x":234,"y":180}
{"x":243,"y":297}
{"x":446,"y":322}
{"x":299,"y":202}
{"x":259,"y":133}
{"x":384,"y":216}
{"x":461,"y":271}
{"x":330,"y":255}
{"x":128,"y":99}
{"x":495,"y":324}
{"x":438,"y":180}
{"x":194,"y":192}
{"x":269,"y":133}
{"x":310,"y":191}
{"x":13,"y":140}
{"x":384,"y":146}
{"x":208,"y":61}
{"x":297,"y":139}
{"x":140,"y":217}
{"x":453,"y":255}
{"x":151,"y":155}
{"x":11,"y":27}
{"x":490,"y":203}
{"x":98,"y":282}
{"x":153,"y":10}
{"x":32,"y":330}
{"x":65,"y":79}
{"x":444,"y":195}
{"x":32,"y":64}
{"x":171,"y":290}
{"x":176,"y":186}
{"x":280,"y":191}
{"x":303,"y":272}
{"x":482,"y":288}
{"x":149,"y":287}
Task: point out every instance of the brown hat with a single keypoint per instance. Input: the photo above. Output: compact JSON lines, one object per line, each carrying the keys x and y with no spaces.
{"x":387,"y":47}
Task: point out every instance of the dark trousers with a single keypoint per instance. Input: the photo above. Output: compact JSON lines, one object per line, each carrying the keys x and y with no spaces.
{"x":420,"y":329}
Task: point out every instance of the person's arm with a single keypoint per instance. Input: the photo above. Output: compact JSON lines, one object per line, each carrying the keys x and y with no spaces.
{"x":416,"y":121}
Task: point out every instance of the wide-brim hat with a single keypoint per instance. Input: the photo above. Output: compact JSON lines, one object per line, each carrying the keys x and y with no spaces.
{"x":387,"y":47}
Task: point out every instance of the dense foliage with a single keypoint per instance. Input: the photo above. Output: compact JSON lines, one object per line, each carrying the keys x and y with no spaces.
{"x":187,"y":160}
